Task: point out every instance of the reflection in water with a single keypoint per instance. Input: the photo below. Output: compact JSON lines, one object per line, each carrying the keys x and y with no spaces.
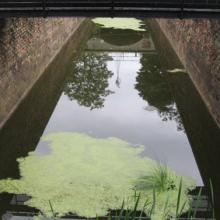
{"x":125,"y":41}
{"x":153,"y":87}
{"x":152,"y":84}
{"x":89,"y":177}
{"x":142,"y":88}
{"x":125,"y":38}
{"x":88,"y":83}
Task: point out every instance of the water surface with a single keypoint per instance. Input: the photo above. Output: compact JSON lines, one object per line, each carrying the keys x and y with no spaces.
{"x":116,"y":87}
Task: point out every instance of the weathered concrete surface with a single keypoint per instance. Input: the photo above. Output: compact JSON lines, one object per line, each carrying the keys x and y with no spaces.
{"x":197,"y":43}
{"x":27,"y":47}
{"x":22,"y":131}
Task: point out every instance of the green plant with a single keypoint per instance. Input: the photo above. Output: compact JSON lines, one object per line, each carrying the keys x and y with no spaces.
{"x":180,"y":209}
{"x":153,"y":203}
{"x":148,"y":209}
{"x":159,"y":179}
{"x":165,"y":211}
{"x":52,"y":211}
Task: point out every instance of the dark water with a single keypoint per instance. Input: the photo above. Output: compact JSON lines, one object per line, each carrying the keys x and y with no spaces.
{"x":134,"y":89}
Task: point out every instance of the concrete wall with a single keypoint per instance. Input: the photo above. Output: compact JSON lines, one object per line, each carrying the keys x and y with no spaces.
{"x":22,"y":131}
{"x":200,"y":127}
{"x":197,"y":43}
{"x":27,"y":47}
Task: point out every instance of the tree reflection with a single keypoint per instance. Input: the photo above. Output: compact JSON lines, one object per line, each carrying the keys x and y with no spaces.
{"x":88,"y":82}
{"x":153,"y":87}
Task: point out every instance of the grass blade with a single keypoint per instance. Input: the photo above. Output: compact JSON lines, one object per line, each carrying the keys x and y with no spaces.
{"x":189,"y":215}
{"x":154,"y":202}
{"x":182,"y":208}
{"x":136,"y":206}
{"x":179,"y":197}
{"x":51,"y":208}
{"x":145,"y":205}
{"x":127,"y":214}
{"x":121,"y":211}
{"x":212,"y":198}
{"x":165,"y":207}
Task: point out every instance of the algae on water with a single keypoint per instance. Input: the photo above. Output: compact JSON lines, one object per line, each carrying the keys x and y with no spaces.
{"x":89,"y":176}
{"x":120,"y":23}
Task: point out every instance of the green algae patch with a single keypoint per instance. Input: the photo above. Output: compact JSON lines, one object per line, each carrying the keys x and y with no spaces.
{"x":90,"y":176}
{"x":120,"y":23}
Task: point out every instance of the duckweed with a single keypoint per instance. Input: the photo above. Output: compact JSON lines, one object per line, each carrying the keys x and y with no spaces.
{"x":89,"y":176}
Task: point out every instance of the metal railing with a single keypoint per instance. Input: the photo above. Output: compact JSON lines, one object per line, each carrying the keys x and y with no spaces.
{"x":106,"y":8}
